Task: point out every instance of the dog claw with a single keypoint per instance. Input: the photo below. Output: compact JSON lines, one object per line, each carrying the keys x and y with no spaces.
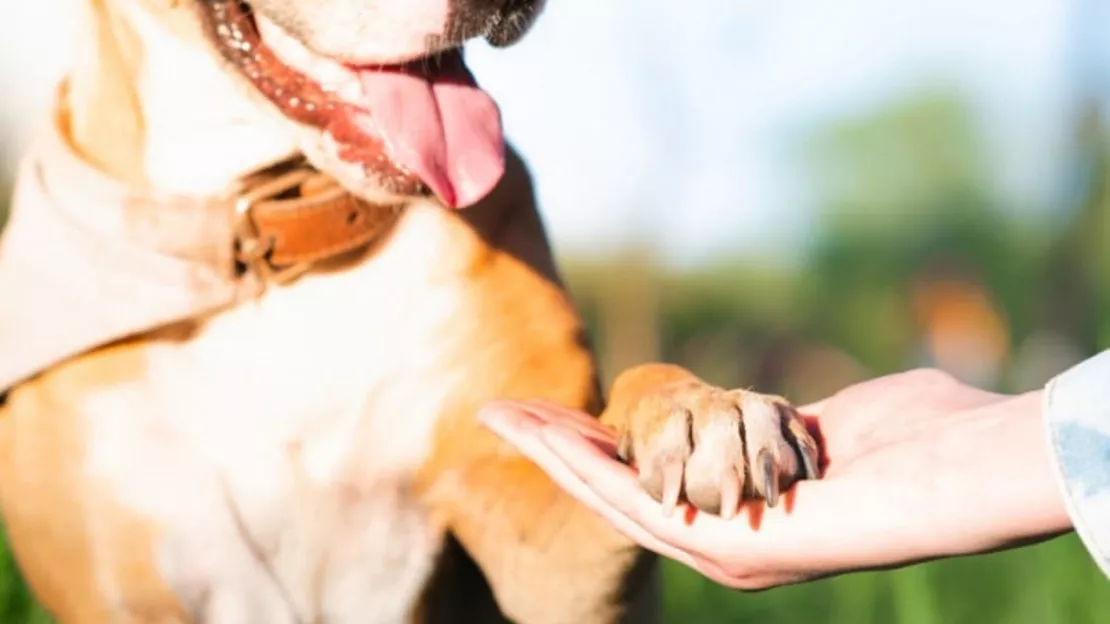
{"x":672,"y":486}
{"x":730,"y":495}
{"x":806,"y":450}
{"x":624,"y":449}
{"x":809,"y":461}
{"x":768,"y":476}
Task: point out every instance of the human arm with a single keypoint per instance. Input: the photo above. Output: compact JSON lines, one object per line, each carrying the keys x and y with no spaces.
{"x":918,"y":466}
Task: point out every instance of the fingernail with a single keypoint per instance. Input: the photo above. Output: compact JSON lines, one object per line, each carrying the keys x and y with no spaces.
{"x":507,"y":420}
{"x":495,"y":418}
{"x":557,"y":436}
{"x":563,"y":439}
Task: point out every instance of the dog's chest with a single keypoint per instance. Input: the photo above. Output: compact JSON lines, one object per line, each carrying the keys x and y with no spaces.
{"x":278,"y":446}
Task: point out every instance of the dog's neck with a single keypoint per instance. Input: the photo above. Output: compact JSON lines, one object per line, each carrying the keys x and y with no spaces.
{"x":148,"y":104}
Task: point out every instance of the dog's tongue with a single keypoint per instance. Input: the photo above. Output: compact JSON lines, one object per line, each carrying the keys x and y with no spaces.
{"x":440,"y":126}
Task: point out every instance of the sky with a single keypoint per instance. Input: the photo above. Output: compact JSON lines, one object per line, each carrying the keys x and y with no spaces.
{"x":668,"y":122}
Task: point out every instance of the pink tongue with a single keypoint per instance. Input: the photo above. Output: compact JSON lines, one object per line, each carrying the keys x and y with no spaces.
{"x":442,"y":128}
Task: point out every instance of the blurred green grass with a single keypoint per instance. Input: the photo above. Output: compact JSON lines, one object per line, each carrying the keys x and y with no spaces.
{"x":16,"y":604}
{"x":1051,"y":583}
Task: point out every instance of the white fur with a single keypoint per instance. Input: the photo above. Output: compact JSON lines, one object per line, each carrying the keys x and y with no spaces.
{"x":309,"y":412}
{"x":276,"y":448}
{"x":203,"y":128}
{"x":362,"y":31}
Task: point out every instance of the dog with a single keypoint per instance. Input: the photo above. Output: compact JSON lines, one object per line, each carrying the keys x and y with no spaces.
{"x":264,"y":264}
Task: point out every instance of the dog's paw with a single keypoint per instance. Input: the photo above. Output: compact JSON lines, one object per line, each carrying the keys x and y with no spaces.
{"x":711,"y":447}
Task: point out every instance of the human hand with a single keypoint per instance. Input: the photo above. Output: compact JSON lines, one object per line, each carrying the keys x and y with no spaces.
{"x":916,"y":466}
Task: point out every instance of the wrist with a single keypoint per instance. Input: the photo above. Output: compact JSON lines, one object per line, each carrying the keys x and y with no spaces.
{"x":1012,"y":496}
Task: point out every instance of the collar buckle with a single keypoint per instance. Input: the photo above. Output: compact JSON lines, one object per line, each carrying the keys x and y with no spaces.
{"x":251,"y":250}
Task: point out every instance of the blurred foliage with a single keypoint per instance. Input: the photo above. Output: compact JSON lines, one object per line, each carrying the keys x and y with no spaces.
{"x":913,"y":261}
{"x":16,"y":604}
{"x":1053,"y":583}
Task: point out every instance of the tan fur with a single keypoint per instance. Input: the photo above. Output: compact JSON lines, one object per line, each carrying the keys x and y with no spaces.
{"x":104,"y":114}
{"x":483,"y":316}
{"x":68,"y":534}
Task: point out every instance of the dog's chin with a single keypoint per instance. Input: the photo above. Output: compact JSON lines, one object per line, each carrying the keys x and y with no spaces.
{"x":364,"y":180}
{"x":384,"y":131}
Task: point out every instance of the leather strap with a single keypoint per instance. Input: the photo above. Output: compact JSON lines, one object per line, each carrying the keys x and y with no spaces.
{"x":301,"y":216}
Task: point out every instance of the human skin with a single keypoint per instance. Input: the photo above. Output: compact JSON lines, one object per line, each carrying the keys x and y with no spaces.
{"x":916,"y":466}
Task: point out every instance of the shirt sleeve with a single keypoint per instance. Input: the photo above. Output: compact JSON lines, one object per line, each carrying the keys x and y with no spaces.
{"x":1077,"y":417}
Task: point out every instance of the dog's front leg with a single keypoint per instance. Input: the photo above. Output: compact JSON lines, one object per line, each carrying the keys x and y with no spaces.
{"x":546,"y":558}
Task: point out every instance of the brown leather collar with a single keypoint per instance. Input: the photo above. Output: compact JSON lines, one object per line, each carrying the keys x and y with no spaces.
{"x":292,"y":216}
